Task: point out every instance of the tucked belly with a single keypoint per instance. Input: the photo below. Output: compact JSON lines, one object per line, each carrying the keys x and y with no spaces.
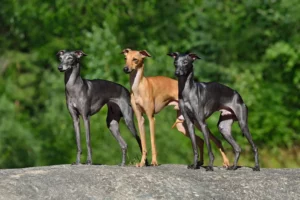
{"x":159,"y":105}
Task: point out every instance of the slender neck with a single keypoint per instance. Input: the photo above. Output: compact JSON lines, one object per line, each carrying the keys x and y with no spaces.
{"x":72,"y":76}
{"x":136,"y":78}
{"x":185,"y":82}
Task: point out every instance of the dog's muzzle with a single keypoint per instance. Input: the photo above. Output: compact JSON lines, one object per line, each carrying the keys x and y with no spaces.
{"x":60,"y":68}
{"x":126,"y":70}
{"x":177,"y":73}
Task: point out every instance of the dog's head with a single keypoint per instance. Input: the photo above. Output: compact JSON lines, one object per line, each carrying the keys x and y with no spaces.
{"x":68,"y":59}
{"x":183,"y":63}
{"x":134,"y":59}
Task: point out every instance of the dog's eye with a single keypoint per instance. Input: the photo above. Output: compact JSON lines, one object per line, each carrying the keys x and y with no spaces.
{"x":135,"y":60}
{"x":185,"y":62}
{"x":70,"y":58}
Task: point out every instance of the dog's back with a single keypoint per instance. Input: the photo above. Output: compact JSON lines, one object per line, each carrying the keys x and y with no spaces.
{"x":216,"y":96}
{"x":107,"y":89}
{"x":164,"y":91}
{"x":164,"y":86}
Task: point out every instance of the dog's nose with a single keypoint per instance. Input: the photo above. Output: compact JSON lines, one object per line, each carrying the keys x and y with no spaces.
{"x":126,"y":69}
{"x":60,"y":67}
{"x":177,"y":73}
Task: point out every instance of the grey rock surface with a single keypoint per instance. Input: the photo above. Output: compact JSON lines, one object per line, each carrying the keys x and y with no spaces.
{"x":162,"y":182}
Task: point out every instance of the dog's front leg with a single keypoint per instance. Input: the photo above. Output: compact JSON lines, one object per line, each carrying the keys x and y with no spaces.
{"x":191,"y":130}
{"x":204,"y":129}
{"x":76,"y":124}
{"x":141,"y":121}
{"x":153,"y":144}
{"x":86,"y":120}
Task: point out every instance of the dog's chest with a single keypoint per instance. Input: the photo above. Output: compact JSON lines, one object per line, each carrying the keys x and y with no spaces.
{"x":75,"y":104}
{"x":187,"y":107}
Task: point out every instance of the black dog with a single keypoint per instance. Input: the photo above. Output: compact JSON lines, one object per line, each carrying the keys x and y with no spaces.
{"x":197,"y":101}
{"x":86,"y":97}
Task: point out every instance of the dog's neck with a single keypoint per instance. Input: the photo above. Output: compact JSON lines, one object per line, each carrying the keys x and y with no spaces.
{"x":185,"y":83}
{"x":136,"y":78}
{"x":72,"y":76}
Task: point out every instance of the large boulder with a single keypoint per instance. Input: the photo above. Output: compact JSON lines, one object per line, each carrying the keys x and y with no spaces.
{"x":162,"y":182}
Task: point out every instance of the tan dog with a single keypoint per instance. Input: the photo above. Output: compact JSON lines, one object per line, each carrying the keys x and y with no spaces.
{"x":149,"y":95}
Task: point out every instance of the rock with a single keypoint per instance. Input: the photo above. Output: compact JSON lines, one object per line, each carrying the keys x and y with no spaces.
{"x":162,"y":182}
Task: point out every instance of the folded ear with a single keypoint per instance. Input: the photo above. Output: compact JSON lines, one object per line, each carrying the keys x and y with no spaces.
{"x":194,"y":56}
{"x":125,"y":51}
{"x":174,"y":54}
{"x":79,"y":53}
{"x":145,"y":53}
{"x":61,"y":52}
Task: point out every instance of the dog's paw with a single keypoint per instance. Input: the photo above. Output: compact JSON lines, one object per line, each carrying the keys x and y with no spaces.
{"x":121,"y":164}
{"x":76,"y":163}
{"x":226,"y":164}
{"x":88,"y":162}
{"x":232,"y":168}
{"x":154,"y":163}
{"x":193,"y":166}
{"x":209,"y":168}
{"x":256,"y":168}
{"x":140,"y":164}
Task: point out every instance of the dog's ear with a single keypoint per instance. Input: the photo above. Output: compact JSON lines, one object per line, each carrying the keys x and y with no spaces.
{"x":194,"y":56}
{"x":125,"y":51}
{"x":144,"y":53}
{"x":79,"y":53}
{"x":173,"y":54}
{"x":61,"y":52}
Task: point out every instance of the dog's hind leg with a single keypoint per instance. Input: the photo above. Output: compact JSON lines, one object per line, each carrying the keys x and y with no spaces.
{"x":241,"y":112}
{"x":221,"y":149}
{"x":127,"y":113}
{"x":113,"y":118}
{"x":219,"y":145}
{"x":224,"y":125}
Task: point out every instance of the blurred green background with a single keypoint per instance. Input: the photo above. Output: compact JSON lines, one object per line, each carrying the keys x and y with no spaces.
{"x":252,"y":46}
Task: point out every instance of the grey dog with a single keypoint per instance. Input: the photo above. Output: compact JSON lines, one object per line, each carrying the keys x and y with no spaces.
{"x":87,"y":97}
{"x":197,"y":101}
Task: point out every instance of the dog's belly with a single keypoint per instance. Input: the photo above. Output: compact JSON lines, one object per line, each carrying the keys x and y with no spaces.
{"x":159,"y":106}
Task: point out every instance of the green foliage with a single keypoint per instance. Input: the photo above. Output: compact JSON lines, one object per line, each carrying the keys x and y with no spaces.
{"x":251,"y":46}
